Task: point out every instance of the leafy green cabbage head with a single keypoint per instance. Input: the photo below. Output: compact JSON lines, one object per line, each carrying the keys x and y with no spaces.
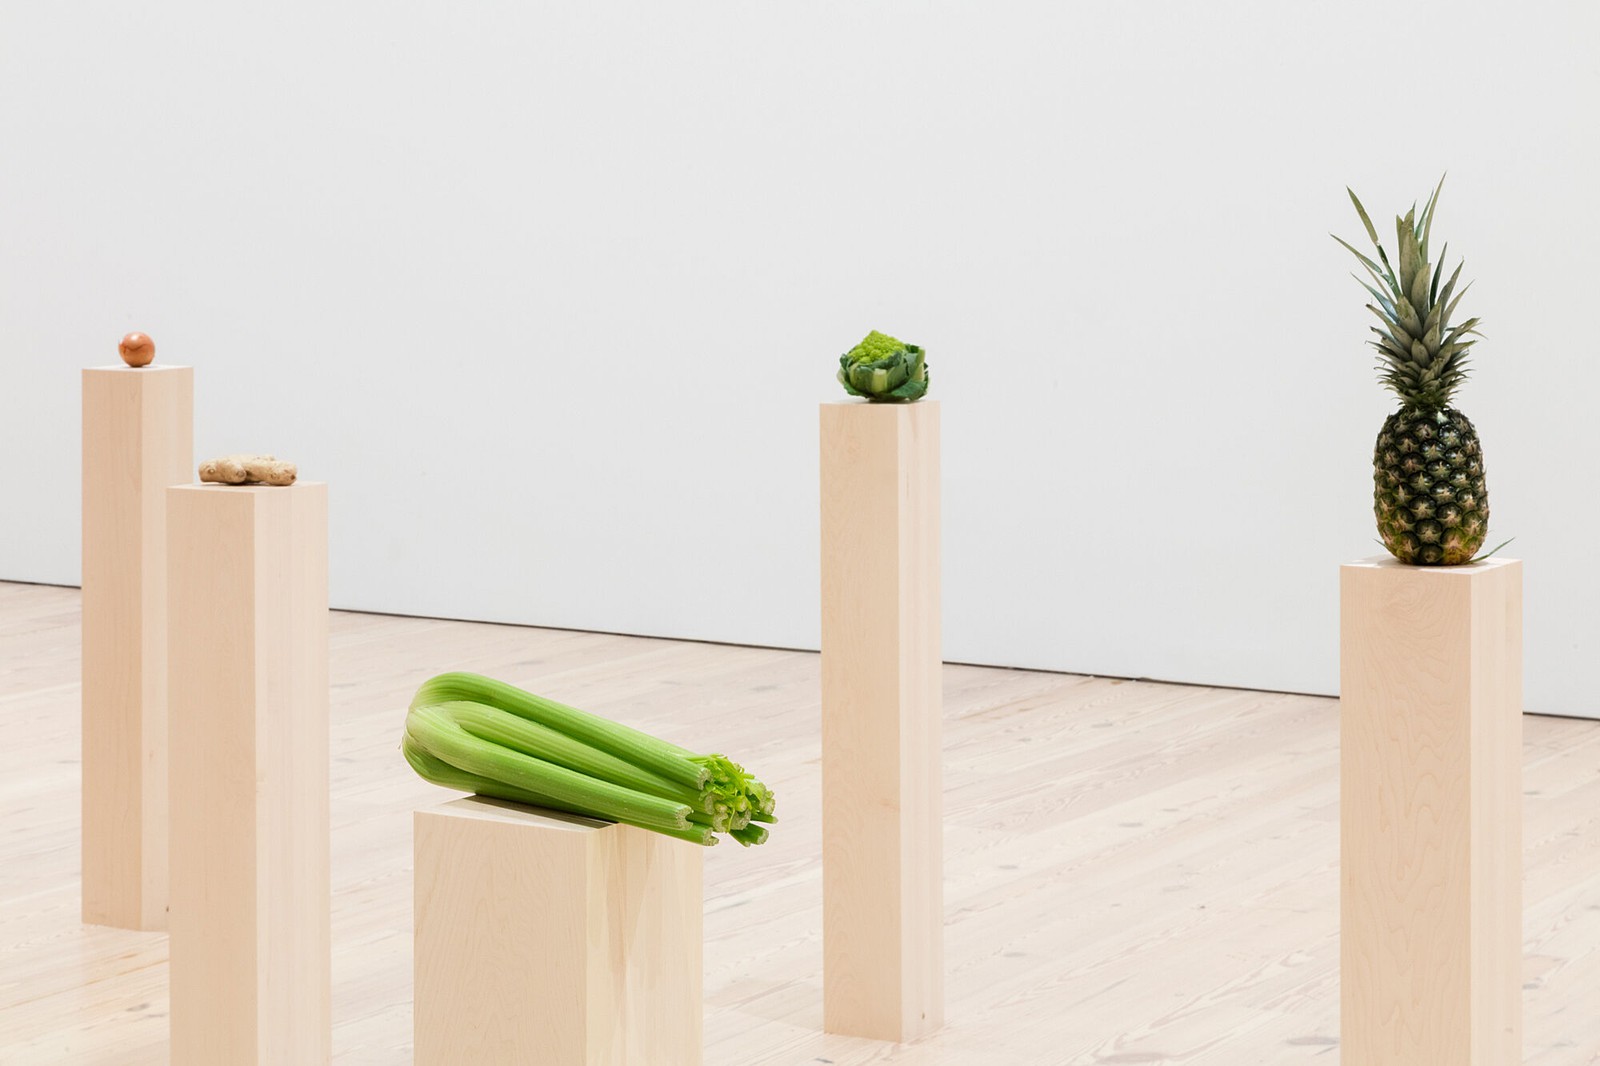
{"x":884,"y":370}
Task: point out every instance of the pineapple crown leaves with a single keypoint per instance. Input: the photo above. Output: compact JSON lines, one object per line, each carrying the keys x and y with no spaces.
{"x":1423,"y":359}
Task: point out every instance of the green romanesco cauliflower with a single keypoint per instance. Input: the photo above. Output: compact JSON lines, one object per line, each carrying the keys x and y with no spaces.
{"x":884,"y":369}
{"x":873,"y":347}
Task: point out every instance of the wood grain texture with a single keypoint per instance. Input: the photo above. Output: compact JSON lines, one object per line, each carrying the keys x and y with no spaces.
{"x":1137,"y":874}
{"x":138,"y":430}
{"x":882,"y":846}
{"x":250,"y":970}
{"x":1431,"y":780}
{"x":550,"y":938}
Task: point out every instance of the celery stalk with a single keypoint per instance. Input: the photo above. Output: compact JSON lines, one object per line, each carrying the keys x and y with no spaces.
{"x":442,"y":773}
{"x":471,"y":732}
{"x":444,"y":739}
{"x":639,"y":748}
{"x":531,"y":738}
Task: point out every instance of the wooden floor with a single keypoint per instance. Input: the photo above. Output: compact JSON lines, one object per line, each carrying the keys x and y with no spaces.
{"x":1136,"y":873}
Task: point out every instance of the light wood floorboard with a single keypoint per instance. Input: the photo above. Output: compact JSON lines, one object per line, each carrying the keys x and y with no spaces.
{"x":1136,"y":873}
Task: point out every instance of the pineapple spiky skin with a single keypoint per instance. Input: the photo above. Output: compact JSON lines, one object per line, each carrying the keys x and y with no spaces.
{"x":1429,"y":492}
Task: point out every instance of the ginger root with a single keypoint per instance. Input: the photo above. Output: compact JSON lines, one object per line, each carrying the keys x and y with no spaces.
{"x":248,"y":469}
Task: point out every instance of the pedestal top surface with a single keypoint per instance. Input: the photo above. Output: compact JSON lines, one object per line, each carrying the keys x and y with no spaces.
{"x":1389,"y":562}
{"x":123,"y":368}
{"x":218,"y":486}
{"x":493,"y":810}
{"x":863,"y":402}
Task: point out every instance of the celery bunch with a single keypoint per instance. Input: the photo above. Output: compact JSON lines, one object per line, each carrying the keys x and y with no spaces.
{"x":479,"y":735}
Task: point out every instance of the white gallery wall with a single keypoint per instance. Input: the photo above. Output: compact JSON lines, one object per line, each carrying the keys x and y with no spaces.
{"x":549,"y":293}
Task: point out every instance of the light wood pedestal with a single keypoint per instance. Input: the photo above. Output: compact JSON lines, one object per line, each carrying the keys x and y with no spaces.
{"x":549,"y":938}
{"x":1431,"y":814}
{"x":882,"y":852}
{"x":250,"y":968}
{"x":138,"y":438}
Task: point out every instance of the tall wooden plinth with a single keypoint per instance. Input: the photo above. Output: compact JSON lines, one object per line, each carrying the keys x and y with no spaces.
{"x":554,"y":939}
{"x":882,"y":851}
{"x":138,"y":438}
{"x":250,"y":966}
{"x":1431,"y":814}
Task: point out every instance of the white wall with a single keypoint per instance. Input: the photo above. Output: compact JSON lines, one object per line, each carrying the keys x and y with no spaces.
{"x":549,"y":293}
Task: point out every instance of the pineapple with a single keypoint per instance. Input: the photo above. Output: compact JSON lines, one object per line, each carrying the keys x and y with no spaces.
{"x":1429,"y":493}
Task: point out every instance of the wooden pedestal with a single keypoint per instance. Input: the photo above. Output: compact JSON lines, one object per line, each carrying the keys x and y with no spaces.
{"x":138,"y":438}
{"x":882,"y":852}
{"x":549,"y":938}
{"x":1431,"y":809}
{"x":251,"y":970}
